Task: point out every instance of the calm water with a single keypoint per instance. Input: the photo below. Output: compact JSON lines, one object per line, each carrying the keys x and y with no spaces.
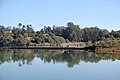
{"x":58,"y":65}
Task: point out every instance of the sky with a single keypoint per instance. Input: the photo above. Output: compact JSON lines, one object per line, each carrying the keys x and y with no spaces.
{"x":87,"y":13}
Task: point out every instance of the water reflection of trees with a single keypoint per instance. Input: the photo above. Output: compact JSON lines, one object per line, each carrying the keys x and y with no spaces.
{"x":71,"y":57}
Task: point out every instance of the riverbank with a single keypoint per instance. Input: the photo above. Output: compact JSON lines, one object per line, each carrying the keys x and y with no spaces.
{"x":43,"y":47}
{"x":73,"y":46}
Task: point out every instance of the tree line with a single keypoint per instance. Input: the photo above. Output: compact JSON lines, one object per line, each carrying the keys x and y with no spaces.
{"x":23,"y":35}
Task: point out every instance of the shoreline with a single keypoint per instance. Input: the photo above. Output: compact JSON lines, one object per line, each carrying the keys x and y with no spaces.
{"x":91,"y":48}
{"x":43,"y":47}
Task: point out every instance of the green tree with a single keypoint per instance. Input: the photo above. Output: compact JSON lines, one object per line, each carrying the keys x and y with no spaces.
{"x":6,"y":39}
{"x":72,"y":32}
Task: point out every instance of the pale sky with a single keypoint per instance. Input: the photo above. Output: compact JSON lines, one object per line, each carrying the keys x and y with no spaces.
{"x":39,"y":13}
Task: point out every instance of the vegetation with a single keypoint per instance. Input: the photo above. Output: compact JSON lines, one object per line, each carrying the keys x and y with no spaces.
{"x":24,"y":35}
{"x":108,"y":44}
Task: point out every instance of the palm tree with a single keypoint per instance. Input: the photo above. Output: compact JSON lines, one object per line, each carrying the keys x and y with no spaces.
{"x":19,"y":25}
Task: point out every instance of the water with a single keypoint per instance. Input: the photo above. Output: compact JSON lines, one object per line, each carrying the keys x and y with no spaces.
{"x":58,"y":65}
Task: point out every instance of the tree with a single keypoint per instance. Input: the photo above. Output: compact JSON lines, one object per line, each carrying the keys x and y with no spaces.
{"x":30,"y":30}
{"x":20,"y":41}
{"x":115,"y":34}
{"x":6,"y":40}
{"x":93,"y":34}
{"x":2,"y":29}
{"x":8,"y":28}
{"x":19,"y":25}
{"x":72,"y":32}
